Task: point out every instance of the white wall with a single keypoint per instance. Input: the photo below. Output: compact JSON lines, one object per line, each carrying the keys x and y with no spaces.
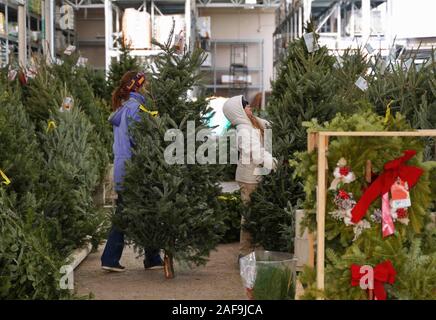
{"x":245,"y":24}
{"x":413,"y":19}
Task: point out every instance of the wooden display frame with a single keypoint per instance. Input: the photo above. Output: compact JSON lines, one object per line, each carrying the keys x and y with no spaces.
{"x":320,"y":140}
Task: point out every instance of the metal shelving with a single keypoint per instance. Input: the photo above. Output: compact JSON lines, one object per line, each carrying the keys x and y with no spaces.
{"x":9,"y":43}
{"x":215,"y":70}
{"x":340,"y":24}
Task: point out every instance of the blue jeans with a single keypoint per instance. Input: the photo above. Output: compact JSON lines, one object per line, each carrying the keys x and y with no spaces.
{"x":115,"y":244}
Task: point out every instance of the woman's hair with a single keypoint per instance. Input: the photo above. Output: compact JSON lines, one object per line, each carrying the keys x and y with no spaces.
{"x":122,"y":93}
{"x":254,"y":122}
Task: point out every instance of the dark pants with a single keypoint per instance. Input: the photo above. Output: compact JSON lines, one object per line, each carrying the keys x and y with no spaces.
{"x":115,"y":244}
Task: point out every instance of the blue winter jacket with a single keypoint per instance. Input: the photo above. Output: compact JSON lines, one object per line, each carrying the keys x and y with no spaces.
{"x":123,"y":143}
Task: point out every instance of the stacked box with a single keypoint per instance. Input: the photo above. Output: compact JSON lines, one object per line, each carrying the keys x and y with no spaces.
{"x":136,"y":26}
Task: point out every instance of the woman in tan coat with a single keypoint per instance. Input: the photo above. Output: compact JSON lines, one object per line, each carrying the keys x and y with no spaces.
{"x":253,"y":158}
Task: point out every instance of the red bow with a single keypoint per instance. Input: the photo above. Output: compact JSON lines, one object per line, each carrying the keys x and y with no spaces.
{"x":344,"y":171}
{"x":383,"y":273}
{"x":343,"y":195}
{"x":392,"y":170}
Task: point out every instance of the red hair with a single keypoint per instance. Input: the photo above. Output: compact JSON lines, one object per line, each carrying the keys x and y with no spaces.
{"x":122,"y":93}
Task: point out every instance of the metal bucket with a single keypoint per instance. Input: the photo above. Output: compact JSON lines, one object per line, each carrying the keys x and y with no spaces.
{"x":275,"y":276}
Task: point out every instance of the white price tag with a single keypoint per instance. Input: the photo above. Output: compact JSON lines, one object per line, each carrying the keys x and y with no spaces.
{"x":392,"y":54}
{"x":338,"y":63}
{"x":81,"y":62}
{"x":310,"y":41}
{"x":403,"y":203}
{"x":361,"y":83}
{"x":408,"y":64}
{"x":430,"y":60}
{"x":369,"y":48}
{"x":31,"y":72}
{"x":382,"y":65}
{"x":12,"y":74}
{"x":69,"y":50}
{"x":370,"y":71}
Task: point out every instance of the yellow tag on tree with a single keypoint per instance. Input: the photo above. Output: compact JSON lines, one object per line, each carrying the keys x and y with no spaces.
{"x":152,"y":113}
{"x":6,"y":180}
{"x":230,"y":198}
{"x":51,"y":125}
{"x":388,"y":111}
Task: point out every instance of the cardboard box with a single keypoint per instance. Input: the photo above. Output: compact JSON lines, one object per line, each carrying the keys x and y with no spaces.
{"x":136,"y":26}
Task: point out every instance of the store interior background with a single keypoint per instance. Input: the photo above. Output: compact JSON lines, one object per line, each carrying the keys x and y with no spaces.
{"x":243,"y":39}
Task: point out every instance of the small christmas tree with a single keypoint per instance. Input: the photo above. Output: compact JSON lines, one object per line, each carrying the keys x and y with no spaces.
{"x":406,"y":86}
{"x":30,"y":268}
{"x":41,"y":94}
{"x":171,"y":206}
{"x":76,"y":80}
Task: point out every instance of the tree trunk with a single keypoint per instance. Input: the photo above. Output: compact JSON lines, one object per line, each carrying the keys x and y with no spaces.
{"x":169,"y":266}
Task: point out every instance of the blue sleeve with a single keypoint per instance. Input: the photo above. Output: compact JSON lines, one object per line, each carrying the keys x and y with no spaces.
{"x":133,"y":115}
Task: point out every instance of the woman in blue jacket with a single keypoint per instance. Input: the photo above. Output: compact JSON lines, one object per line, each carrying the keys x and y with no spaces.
{"x":126,"y":101}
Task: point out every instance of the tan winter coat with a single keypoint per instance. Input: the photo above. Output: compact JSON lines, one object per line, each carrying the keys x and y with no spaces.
{"x":252,"y":155}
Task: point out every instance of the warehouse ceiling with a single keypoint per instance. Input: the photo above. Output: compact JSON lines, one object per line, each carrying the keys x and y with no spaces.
{"x":165,"y":6}
{"x":319,"y":7}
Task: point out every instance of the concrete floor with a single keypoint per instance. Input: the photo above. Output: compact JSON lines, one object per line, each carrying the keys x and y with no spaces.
{"x":218,"y":280}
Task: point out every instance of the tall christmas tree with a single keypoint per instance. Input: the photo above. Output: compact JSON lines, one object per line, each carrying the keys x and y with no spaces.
{"x":171,"y":206}
{"x":304,"y":89}
{"x":20,"y":155}
{"x":71,"y":174}
{"x":74,"y":156}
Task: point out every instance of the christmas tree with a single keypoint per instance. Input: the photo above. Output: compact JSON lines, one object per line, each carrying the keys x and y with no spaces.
{"x":44,"y":93}
{"x":118,"y":68}
{"x":72,"y":172}
{"x":407,"y":87}
{"x":404,"y":85}
{"x":29,"y":266}
{"x":41,"y":94}
{"x":73,"y":155}
{"x":362,"y":243}
{"x":76,"y":80}
{"x":20,"y":155}
{"x":171,"y":206}
{"x":304,"y":89}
